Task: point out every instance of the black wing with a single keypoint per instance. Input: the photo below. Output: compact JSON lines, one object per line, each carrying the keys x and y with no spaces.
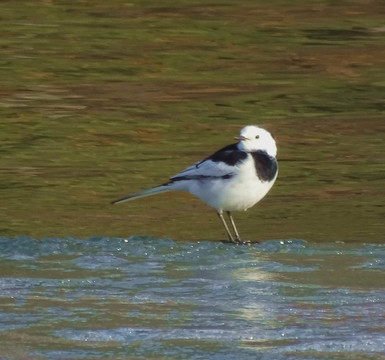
{"x":230,"y":155}
{"x":218,"y":165}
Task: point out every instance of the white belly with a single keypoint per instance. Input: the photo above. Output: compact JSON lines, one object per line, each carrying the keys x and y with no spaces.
{"x":243,"y":195}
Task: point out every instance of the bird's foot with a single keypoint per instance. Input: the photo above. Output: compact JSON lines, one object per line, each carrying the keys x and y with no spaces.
{"x":238,"y":241}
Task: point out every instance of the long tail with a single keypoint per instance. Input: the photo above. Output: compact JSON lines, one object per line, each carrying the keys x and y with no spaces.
{"x":143,"y":193}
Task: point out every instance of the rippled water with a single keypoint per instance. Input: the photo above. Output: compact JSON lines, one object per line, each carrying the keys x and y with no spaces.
{"x":148,"y":298}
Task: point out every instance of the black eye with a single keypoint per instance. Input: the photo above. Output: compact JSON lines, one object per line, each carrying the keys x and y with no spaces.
{"x":257,"y":136}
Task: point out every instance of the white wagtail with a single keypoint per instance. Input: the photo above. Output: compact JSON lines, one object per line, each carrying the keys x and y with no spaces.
{"x":234,"y":178}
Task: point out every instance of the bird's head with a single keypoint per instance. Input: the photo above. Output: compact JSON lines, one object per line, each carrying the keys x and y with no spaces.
{"x":253,"y":138}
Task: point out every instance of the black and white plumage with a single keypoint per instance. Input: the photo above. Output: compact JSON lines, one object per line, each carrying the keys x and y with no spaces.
{"x":234,"y":178}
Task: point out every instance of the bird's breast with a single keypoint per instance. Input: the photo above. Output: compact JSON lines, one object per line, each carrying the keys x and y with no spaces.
{"x":246,"y":188}
{"x":266,"y":166}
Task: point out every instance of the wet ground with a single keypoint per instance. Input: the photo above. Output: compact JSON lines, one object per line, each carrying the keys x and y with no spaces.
{"x":147,"y":298}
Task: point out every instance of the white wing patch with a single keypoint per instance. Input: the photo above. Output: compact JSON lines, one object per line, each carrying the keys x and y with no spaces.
{"x":207,"y":168}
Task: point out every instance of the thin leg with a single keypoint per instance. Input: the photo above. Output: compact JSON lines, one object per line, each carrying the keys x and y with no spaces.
{"x":220,"y":214}
{"x":237,"y":238}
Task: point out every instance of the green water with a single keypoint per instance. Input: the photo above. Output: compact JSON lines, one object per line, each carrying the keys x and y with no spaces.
{"x":98,"y":99}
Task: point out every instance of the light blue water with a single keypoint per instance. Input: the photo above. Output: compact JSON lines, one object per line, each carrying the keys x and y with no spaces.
{"x":145,"y":298}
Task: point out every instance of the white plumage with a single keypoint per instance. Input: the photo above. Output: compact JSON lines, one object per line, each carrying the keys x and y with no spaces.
{"x":233,"y":179}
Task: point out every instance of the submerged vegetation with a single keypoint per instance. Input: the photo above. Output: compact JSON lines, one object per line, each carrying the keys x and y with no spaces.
{"x":100,"y":99}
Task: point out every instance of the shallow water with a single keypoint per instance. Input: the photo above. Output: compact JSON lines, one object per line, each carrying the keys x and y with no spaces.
{"x":147,"y":298}
{"x":99,"y":99}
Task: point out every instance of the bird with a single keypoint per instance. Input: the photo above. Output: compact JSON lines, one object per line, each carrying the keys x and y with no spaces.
{"x":234,"y":178}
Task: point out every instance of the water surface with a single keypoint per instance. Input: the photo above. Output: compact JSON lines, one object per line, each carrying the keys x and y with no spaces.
{"x":147,"y":298}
